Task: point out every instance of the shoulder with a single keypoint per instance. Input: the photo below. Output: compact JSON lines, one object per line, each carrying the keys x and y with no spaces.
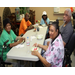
{"x":22,"y":20}
{"x":11,"y":31}
{"x":42,"y":19}
{"x":58,"y":41}
{"x":28,"y":21}
{"x":4,"y":32}
{"x":69,"y":27}
{"x":47,"y":18}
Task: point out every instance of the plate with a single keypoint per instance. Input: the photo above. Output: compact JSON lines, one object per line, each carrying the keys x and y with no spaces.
{"x":39,"y":37}
{"x":44,"y":25}
{"x":34,"y":49}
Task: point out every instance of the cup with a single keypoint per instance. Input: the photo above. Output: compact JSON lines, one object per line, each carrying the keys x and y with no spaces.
{"x":37,"y":28}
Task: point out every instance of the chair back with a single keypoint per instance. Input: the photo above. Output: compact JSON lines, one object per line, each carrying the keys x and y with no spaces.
{"x":71,"y":44}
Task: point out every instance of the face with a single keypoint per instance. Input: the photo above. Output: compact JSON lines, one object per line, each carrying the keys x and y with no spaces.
{"x":66,"y":17}
{"x":44,"y":17}
{"x":8,"y":27}
{"x":53,"y":32}
{"x":27,"y":17}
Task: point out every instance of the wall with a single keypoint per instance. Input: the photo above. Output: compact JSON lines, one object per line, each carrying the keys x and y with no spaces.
{"x":63,"y":8}
{"x":1,"y":12}
{"x":50,"y":11}
{"x":38,"y":12}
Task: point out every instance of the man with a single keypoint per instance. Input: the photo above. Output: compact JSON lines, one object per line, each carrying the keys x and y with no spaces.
{"x":25,"y":25}
{"x":66,"y":29}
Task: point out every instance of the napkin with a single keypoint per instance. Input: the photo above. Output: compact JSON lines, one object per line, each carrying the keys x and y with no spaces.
{"x":40,"y":27}
{"x":19,"y":46}
{"x":32,"y":37}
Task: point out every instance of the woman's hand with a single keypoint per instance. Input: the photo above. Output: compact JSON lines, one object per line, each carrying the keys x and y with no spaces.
{"x":36,"y":45}
{"x":45,"y":22}
{"x":35,"y":53}
{"x":21,"y":40}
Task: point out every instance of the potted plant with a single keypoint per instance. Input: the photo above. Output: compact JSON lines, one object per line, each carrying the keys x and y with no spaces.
{"x":23,"y":10}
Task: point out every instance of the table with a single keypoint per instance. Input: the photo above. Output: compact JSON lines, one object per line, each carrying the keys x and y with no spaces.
{"x":23,"y":53}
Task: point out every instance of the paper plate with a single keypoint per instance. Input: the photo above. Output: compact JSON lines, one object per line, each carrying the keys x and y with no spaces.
{"x":39,"y":37}
{"x":44,"y":25}
{"x":34,"y":49}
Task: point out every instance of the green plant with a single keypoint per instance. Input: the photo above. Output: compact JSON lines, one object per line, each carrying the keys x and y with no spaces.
{"x":23,"y":10}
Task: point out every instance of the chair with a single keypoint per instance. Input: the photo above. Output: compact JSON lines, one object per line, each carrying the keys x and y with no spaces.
{"x":68,"y":51}
{"x":13,"y":22}
{"x":2,"y":63}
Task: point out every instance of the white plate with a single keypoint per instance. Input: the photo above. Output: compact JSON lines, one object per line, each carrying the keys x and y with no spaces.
{"x":40,"y":36}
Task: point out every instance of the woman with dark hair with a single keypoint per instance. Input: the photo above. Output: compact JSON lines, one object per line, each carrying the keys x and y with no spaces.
{"x":45,"y":20}
{"x":54,"y":53}
{"x":8,"y":34}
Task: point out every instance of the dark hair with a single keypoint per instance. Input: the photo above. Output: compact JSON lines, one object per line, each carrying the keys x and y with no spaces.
{"x":44,"y":15}
{"x":5,"y":21}
{"x":56,"y":25}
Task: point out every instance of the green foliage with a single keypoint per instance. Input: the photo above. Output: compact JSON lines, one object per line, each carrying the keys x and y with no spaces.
{"x":24,"y":10}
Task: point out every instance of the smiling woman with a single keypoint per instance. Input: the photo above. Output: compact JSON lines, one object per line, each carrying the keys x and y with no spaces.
{"x":54,"y":53}
{"x":8,"y":34}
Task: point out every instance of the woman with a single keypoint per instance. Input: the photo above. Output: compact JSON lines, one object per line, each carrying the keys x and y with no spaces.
{"x":8,"y":34}
{"x":45,"y":20}
{"x":54,"y":54}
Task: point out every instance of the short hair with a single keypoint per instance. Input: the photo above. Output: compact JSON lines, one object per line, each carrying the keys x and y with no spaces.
{"x":69,"y":11}
{"x":27,"y":14}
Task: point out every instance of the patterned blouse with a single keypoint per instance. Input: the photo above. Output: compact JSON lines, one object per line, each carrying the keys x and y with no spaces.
{"x":55,"y":52}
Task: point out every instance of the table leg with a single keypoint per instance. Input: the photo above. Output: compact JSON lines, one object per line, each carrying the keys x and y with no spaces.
{"x":31,"y":64}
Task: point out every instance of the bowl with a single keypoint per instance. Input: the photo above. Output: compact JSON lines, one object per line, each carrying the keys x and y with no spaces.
{"x":40,"y":36}
{"x":44,"y":25}
{"x":34,"y":48}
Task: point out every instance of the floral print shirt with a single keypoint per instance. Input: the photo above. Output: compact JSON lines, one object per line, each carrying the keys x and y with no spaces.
{"x":55,"y":52}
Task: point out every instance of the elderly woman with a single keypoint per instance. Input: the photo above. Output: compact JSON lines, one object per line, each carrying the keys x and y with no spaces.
{"x":8,"y":34}
{"x":54,"y":53}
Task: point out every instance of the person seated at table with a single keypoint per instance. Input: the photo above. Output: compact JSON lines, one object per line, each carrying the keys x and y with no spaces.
{"x":8,"y":34}
{"x":25,"y":24}
{"x":45,"y":20}
{"x":66,"y":29}
{"x":54,"y":53}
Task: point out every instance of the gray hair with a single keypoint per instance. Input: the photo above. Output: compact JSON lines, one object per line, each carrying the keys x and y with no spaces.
{"x":69,"y":11}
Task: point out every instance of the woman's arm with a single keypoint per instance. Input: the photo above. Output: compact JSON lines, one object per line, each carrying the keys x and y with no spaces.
{"x":42,"y":59}
{"x":13,"y":44}
{"x":16,"y":43}
{"x":43,"y":47}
